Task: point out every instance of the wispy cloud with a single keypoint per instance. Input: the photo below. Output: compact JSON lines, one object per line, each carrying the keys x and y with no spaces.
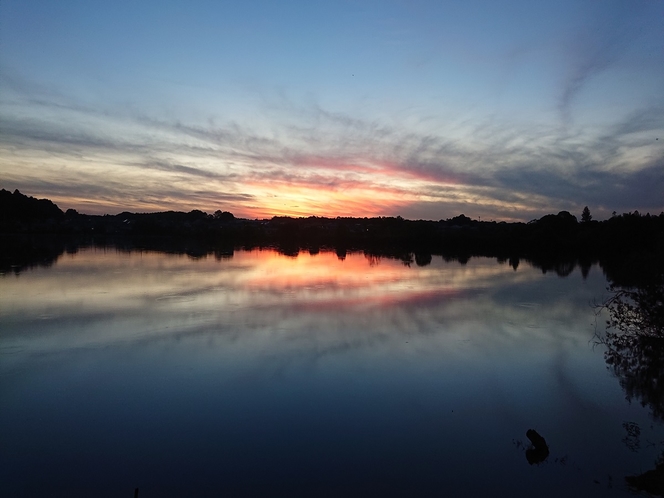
{"x":131,"y":160}
{"x":596,"y":45}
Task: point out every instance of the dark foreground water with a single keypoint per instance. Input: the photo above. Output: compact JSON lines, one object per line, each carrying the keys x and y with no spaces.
{"x":268,"y":375}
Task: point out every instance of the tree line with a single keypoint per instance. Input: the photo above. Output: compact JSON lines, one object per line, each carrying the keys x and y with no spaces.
{"x":552,"y":237}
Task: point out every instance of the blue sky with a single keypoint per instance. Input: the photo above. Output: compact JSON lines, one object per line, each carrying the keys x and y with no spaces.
{"x":499,"y":110}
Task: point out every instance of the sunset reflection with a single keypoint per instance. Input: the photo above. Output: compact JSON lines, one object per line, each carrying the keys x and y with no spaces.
{"x":107,"y":296}
{"x":306,"y":358}
{"x":98,"y":280}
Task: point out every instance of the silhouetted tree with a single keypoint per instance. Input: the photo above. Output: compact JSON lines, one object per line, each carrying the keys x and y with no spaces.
{"x":514,"y":263}
{"x":196,"y":215}
{"x":461,"y":220}
{"x":223,"y":215}
{"x":422,"y":259}
{"x":16,"y":206}
{"x":585,"y":215}
{"x":634,"y":339}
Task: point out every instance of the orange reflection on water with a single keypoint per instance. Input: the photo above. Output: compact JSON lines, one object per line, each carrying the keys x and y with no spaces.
{"x":98,"y":280}
{"x":326,"y":282}
{"x":105,"y":296}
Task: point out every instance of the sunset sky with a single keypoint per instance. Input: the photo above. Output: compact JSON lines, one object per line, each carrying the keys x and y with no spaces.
{"x":425,"y":109}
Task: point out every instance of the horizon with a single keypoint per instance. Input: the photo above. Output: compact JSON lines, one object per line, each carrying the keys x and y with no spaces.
{"x":449,"y":218}
{"x":501,"y":112}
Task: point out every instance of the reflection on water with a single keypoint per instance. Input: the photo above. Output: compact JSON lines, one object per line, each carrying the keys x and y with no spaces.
{"x":267,"y":374}
{"x":634,"y":341}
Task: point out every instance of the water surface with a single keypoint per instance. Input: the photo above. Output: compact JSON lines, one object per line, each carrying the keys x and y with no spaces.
{"x":263,"y":374}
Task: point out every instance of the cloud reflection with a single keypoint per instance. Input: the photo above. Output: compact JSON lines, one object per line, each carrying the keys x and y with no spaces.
{"x":98,"y":297}
{"x":294,"y":339}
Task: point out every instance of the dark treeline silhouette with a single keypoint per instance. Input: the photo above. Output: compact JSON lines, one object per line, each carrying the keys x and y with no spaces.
{"x":33,"y":228}
{"x":18,"y":210}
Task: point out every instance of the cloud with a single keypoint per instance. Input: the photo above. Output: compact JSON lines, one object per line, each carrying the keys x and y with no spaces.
{"x":648,"y":119}
{"x":596,"y":45}
{"x":495,"y":168}
{"x":30,"y":132}
{"x":184,"y":170}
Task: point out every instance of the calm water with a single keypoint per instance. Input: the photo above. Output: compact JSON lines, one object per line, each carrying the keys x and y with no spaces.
{"x":263,"y":374}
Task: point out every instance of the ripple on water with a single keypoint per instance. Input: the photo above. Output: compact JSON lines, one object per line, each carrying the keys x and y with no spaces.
{"x":528,"y":305}
{"x":175,"y":298}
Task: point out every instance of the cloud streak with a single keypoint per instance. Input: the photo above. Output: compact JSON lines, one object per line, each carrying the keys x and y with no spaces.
{"x":598,"y":44}
{"x":494,"y":168}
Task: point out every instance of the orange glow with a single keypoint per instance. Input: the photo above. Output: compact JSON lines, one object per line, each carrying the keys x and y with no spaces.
{"x":372,"y":168}
{"x":280,"y":199}
{"x":101,"y":278}
{"x":332,"y":187}
{"x":148,"y":295}
{"x":387,"y":279}
{"x":260,"y":188}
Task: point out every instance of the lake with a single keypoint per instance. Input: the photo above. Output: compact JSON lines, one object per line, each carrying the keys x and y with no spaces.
{"x":254,"y":373}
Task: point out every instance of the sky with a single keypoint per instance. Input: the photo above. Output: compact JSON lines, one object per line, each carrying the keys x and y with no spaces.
{"x":425,"y":109}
